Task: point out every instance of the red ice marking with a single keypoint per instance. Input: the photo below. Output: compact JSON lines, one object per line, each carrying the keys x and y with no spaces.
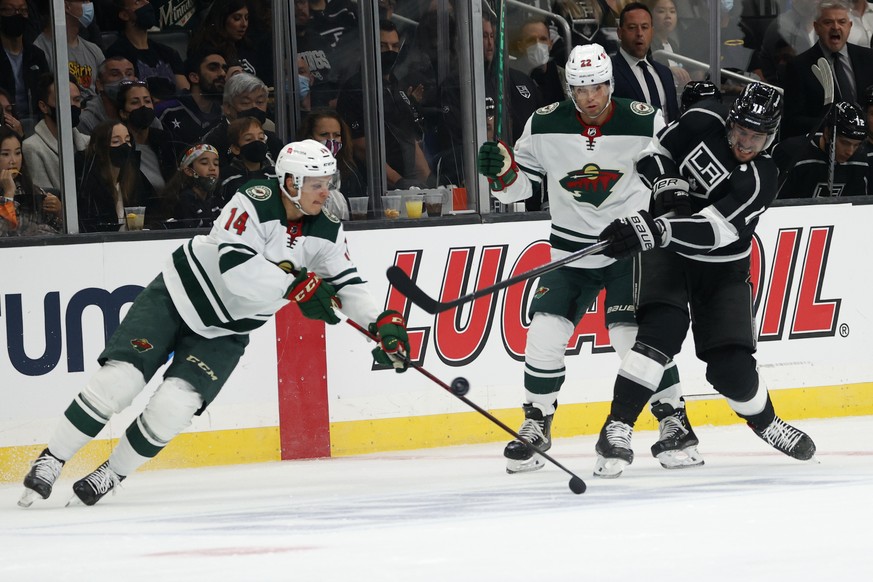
{"x":230,"y":551}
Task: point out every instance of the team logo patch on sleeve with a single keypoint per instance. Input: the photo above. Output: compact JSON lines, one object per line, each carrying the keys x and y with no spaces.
{"x":541,"y":292}
{"x":330,"y":215}
{"x":547,"y":109}
{"x":259,"y":192}
{"x":641,"y":108}
{"x":141,"y":344}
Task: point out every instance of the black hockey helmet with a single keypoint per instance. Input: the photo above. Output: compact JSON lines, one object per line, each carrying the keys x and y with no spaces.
{"x":695,"y":91}
{"x":848,"y":120}
{"x":758,"y":108}
{"x":867,"y":97}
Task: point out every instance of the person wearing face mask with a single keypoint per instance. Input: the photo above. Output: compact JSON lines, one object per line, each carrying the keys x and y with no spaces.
{"x":21,"y":63}
{"x":191,"y":198}
{"x":110,"y":74}
{"x":193,"y":113}
{"x":530,"y":50}
{"x":249,"y":161}
{"x":328,"y":128}
{"x":244,"y":96}
{"x":110,"y":180}
{"x":41,"y":148}
{"x":153,"y":145}
{"x":156,"y":63}
{"x":85,"y":56}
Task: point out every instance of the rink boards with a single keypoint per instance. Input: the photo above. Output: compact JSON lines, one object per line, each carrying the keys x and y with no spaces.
{"x":305,"y":391}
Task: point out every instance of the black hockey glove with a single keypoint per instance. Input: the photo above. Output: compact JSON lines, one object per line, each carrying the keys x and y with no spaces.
{"x":497,"y":163}
{"x":670,"y":193}
{"x":393,"y":348}
{"x":630,"y":235}
{"x":315,"y":297}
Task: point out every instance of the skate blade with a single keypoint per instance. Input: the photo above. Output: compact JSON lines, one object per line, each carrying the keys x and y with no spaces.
{"x":75,"y":501}
{"x":609,"y":468}
{"x":533,"y":464}
{"x":28,"y":497}
{"x":682,"y":459}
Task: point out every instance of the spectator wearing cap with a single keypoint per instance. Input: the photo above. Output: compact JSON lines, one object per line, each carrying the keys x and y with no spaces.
{"x":804,"y":163}
{"x":191,"y":198}
{"x":188,"y":117}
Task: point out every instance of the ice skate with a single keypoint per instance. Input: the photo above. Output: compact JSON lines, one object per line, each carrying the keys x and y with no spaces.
{"x":39,"y":480}
{"x":613,"y":449}
{"x":676,"y":447}
{"x":91,"y":488}
{"x":785,"y":438}
{"x":536,"y":430}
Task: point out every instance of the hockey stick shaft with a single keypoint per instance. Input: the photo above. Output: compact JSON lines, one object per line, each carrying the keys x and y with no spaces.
{"x":401,"y":281}
{"x":499,"y":50}
{"x":469,"y":403}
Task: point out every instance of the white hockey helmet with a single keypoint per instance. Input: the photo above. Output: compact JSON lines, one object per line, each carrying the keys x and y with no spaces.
{"x":302,"y":159}
{"x":588,"y":65}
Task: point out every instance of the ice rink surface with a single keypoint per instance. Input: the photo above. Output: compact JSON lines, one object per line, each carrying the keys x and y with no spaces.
{"x":454,"y":515}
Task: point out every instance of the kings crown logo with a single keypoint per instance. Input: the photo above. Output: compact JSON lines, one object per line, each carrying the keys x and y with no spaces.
{"x":591,"y":184}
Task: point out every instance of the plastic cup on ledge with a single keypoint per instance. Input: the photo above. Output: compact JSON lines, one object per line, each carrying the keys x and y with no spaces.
{"x":391,"y":206}
{"x":358,"y":207}
{"x":134,"y":217}
{"x":414,"y":204}
{"x":433,"y":203}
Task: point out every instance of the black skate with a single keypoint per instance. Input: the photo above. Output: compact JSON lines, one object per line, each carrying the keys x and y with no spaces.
{"x":676,"y":447}
{"x":613,"y":449}
{"x":785,"y":438}
{"x":39,"y":480}
{"x":91,"y":488}
{"x":536,"y":430}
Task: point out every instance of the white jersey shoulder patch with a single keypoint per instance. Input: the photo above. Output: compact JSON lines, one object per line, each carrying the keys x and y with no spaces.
{"x":641,"y":108}
{"x":547,"y":109}
{"x":259,"y":192}
{"x":330,"y":215}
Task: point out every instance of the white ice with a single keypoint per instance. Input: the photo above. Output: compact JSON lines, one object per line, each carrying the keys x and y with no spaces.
{"x":453,"y":514}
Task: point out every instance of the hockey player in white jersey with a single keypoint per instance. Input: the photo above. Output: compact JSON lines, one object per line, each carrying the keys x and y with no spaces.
{"x":585,"y":148}
{"x":272,"y":244}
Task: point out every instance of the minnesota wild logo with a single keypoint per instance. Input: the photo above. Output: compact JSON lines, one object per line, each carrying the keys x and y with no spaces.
{"x":591,"y":184}
{"x":540,"y":292}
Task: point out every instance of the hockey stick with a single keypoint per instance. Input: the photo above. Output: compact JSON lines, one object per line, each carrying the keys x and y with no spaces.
{"x":499,"y":51}
{"x":458,"y":388}
{"x":825,"y":76}
{"x":401,"y":281}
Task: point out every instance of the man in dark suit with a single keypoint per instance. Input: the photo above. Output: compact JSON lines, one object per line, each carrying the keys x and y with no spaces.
{"x":636,"y":76}
{"x":804,"y":96}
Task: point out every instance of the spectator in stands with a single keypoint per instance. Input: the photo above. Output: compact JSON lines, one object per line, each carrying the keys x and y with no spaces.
{"x":522,"y":95}
{"x":788,"y":35}
{"x":804,"y":163}
{"x":867,"y":105}
{"x":191,"y":198}
{"x":318,"y":53}
{"x":327,"y":128}
{"x":41,"y":148}
{"x":154,"y":145}
{"x":386,"y":9}
{"x":84,"y":56}
{"x":110,"y":74}
{"x":405,"y":165}
{"x":7,"y":113}
{"x":531,"y":48}
{"x":25,"y":209}
{"x":804,"y":96}
{"x":304,"y":84}
{"x":193,"y":113}
{"x":861,"y":16}
{"x":590,"y":21}
{"x":155,"y":63}
{"x":333,"y":18}
{"x":111,"y":180}
{"x":636,"y":76}
{"x":21,"y":63}
{"x":244,"y":96}
{"x":665,"y":37}
{"x":248,"y":151}
{"x":227,"y":31}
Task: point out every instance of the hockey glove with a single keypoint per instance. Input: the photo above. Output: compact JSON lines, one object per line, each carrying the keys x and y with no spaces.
{"x":630,"y":235}
{"x":393,"y":348}
{"x":315,"y":297}
{"x":670,"y":193}
{"x":497,"y":163}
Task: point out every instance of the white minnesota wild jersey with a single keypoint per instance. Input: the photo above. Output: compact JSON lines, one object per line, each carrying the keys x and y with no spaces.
{"x":236,"y":277}
{"x":590,"y":170}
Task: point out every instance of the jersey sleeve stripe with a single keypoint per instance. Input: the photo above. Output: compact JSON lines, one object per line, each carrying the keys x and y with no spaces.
{"x":532,"y":174}
{"x":229,"y":260}
{"x":199,"y":288}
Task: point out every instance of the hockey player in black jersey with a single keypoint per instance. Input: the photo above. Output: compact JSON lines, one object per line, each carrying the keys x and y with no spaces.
{"x":710,"y":180}
{"x":804,"y":162}
{"x":867,"y":106}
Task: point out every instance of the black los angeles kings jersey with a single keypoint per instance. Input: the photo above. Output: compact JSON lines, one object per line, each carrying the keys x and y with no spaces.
{"x":727,"y":196}
{"x":803,"y":170}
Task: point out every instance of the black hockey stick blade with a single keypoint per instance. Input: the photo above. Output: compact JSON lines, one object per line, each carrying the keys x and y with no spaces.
{"x":401,"y":281}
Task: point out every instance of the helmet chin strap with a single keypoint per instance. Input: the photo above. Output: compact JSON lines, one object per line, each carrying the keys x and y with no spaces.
{"x":295,"y":200}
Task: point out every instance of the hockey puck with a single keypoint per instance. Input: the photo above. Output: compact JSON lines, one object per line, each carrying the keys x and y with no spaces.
{"x":460,"y":386}
{"x":577,"y":485}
